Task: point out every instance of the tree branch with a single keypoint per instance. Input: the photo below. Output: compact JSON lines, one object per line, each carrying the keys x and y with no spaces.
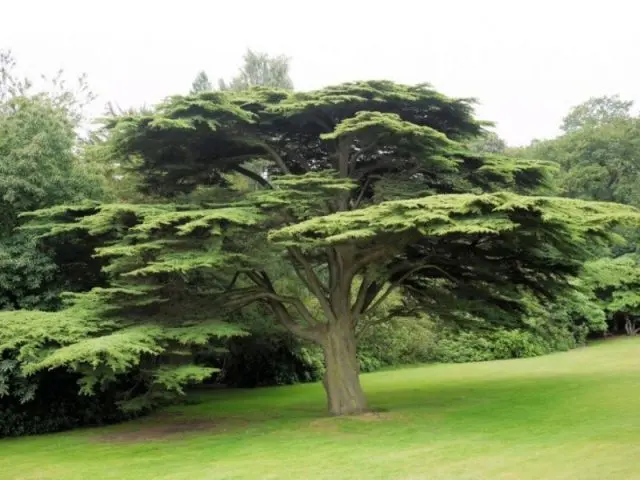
{"x":359,"y":304}
{"x":343,"y":155}
{"x":253,"y":176}
{"x":399,"y":281}
{"x":250,"y":295}
{"x":233,"y":281}
{"x":370,"y":295}
{"x":334,"y":269}
{"x":284,"y":317}
{"x":313,"y":282}
{"x":384,"y":319}
{"x":276,"y":157}
{"x":258,"y":280}
{"x":356,"y":204}
{"x":380,"y":321}
{"x":372,"y":255}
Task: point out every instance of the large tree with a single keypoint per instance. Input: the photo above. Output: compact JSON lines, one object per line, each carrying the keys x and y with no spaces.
{"x":368,"y":191}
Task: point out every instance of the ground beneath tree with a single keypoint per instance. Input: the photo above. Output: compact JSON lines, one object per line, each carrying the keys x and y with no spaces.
{"x":167,"y":426}
{"x":555,"y":417}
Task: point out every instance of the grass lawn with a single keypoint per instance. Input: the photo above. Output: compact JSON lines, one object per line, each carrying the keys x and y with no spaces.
{"x":569,"y":415}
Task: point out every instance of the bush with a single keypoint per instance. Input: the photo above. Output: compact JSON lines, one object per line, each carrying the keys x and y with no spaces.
{"x":402,"y":341}
{"x":457,"y":347}
{"x":57,"y":406}
{"x":274,"y":359}
{"x":517,"y":344}
{"x":420,"y":340}
{"x":463,"y":347}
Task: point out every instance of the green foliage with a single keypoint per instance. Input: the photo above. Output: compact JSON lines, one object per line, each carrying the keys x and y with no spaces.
{"x":488,"y":142}
{"x":400,"y":341}
{"x":260,"y":69}
{"x":53,"y":404}
{"x":367,"y":189}
{"x":557,"y":327}
{"x":502,"y":344}
{"x":599,"y":153}
{"x":38,"y":168}
{"x":272,"y":357}
{"x":129,"y":326}
{"x":615,"y":285}
{"x":201,"y":83}
{"x":595,"y":112}
{"x":38,"y":165}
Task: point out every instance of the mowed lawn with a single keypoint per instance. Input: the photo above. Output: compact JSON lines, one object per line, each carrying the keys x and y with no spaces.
{"x":571,"y":415}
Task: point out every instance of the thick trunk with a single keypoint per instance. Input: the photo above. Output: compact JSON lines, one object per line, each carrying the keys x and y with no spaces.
{"x":342,"y":376}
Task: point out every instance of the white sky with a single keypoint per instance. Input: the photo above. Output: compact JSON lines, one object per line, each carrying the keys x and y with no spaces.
{"x":527,"y":61}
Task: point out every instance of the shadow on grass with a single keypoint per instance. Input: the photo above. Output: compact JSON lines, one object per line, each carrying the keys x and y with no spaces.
{"x":470,"y":406}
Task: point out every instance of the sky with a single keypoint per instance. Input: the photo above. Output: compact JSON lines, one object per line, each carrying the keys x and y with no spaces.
{"x":527,"y":62}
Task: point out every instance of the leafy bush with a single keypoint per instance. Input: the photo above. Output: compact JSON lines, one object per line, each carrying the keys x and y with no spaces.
{"x":57,"y":406}
{"x":420,"y":340}
{"x":401,"y":341}
{"x":274,"y":359}
{"x":463,"y":347}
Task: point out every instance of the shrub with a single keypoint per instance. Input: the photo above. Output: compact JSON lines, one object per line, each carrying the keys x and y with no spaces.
{"x":57,"y":406}
{"x":462,"y":347}
{"x":401,"y":341}
{"x":420,"y":340}
{"x":274,"y":359}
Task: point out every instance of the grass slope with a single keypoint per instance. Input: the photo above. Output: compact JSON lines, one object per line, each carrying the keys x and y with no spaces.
{"x":564,"y":416}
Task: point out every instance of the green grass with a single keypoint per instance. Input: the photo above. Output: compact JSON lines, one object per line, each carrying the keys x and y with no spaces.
{"x":564,"y":416}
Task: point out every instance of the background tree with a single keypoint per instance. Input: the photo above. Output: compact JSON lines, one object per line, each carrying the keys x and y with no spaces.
{"x":599,"y":156}
{"x":615,"y":284}
{"x":261,"y":69}
{"x":201,"y":83}
{"x":488,"y":142}
{"x":42,"y":164}
{"x":599,"y":159}
{"x":596,"y":111}
{"x":369,"y":192}
{"x":38,"y":168}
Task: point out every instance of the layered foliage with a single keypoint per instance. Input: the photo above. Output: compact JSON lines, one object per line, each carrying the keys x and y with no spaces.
{"x":40,"y":167}
{"x":367,"y":190}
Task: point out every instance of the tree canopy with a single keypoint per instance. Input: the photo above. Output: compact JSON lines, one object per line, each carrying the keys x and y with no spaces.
{"x":260,"y":69}
{"x":201,"y":83}
{"x":38,"y":168}
{"x":368,"y":190}
{"x":596,"y":111}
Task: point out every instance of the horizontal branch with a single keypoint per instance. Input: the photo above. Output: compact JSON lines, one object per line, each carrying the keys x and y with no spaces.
{"x":399,"y":281}
{"x":253,"y":176}
{"x":276,"y":157}
{"x":364,"y":293}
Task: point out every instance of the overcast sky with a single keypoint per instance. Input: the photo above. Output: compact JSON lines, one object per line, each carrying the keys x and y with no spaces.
{"x":526,"y":61}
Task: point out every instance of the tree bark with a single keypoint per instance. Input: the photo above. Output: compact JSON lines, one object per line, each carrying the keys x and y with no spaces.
{"x":342,"y":376}
{"x":630,"y":325}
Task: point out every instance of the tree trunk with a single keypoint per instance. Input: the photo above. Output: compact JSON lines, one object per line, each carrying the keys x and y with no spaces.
{"x":342,"y":376}
{"x":630,"y":325}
